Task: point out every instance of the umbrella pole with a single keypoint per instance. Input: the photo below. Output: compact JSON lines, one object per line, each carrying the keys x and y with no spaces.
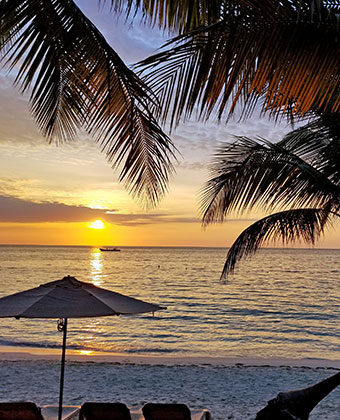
{"x":64,"y":329}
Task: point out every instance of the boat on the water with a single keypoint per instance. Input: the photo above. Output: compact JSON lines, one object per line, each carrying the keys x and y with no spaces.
{"x":109,"y":248}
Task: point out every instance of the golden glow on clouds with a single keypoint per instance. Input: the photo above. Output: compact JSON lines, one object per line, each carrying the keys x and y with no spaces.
{"x":97,"y":224}
{"x":162,"y":234}
{"x":97,"y":206}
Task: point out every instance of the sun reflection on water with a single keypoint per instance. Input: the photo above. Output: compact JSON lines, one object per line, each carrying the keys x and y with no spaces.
{"x":85,"y":352}
{"x":90,"y":335}
{"x":96,"y":267}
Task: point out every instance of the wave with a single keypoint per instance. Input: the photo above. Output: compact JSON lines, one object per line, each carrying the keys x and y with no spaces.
{"x":153,"y":350}
{"x":40,"y":345}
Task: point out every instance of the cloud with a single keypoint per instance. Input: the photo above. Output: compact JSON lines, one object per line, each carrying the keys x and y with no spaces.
{"x":16,"y":210}
{"x":15,"y":113}
{"x":192,"y":166}
{"x":147,"y":219}
{"x":130,"y":38}
{"x":198,"y":141}
{"x":24,"y":211}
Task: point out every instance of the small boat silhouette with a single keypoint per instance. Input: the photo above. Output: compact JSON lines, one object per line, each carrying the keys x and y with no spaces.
{"x":109,"y":248}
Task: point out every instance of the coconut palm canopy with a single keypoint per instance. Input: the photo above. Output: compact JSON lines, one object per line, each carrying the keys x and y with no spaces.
{"x":225,"y":52}
{"x":297,"y":178}
{"x":78,"y":81}
{"x":233,"y":52}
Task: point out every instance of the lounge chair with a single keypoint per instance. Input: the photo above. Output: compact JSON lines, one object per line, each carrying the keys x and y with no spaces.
{"x":104,"y":411}
{"x":20,"y":411}
{"x":153,"y":411}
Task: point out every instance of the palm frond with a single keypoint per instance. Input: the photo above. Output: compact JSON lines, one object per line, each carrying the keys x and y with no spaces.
{"x":77,"y":80}
{"x":318,"y":143}
{"x":284,"y":52}
{"x":174,"y":15}
{"x":288,"y":226}
{"x":257,"y":173}
{"x":184,"y":15}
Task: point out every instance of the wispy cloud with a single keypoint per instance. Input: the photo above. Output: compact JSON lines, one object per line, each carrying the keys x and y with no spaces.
{"x":16,"y":210}
{"x":23,"y":211}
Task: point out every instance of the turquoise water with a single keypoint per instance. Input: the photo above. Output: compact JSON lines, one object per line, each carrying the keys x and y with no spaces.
{"x":280,"y":303}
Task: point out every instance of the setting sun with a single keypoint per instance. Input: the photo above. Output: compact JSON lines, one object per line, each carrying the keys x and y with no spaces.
{"x":97,"y":224}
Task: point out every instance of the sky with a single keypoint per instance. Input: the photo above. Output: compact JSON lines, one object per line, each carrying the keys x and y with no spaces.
{"x":51,"y":194}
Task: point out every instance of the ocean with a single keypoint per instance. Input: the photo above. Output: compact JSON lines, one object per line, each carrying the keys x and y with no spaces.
{"x":281,"y":306}
{"x":280,"y":303}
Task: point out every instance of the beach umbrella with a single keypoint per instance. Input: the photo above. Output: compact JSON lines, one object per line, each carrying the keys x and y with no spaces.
{"x":70,"y":298}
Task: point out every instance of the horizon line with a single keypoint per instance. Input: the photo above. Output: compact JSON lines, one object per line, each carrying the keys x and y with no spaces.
{"x":162,"y":246}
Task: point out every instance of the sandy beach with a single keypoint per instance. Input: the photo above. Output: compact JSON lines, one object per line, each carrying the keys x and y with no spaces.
{"x":229,"y":388}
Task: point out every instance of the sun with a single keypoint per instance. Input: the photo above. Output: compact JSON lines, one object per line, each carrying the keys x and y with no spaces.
{"x":97,"y":224}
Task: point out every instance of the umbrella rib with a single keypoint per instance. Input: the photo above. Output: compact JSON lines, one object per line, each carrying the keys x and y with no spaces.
{"x":28,"y":307}
{"x":105,"y":304}
{"x":119,"y":313}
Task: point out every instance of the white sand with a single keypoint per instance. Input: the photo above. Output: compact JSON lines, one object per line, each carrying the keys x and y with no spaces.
{"x":229,"y":388}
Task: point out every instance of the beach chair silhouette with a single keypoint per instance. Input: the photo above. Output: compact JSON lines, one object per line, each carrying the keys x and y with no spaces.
{"x":104,"y":411}
{"x":20,"y":410}
{"x":153,"y":411}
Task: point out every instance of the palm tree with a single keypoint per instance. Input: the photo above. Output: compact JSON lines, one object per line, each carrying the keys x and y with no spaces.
{"x":225,"y":52}
{"x":78,"y":81}
{"x":297,"y":178}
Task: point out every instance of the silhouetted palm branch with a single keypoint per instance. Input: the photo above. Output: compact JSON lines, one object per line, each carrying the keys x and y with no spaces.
{"x":290,"y":226}
{"x":285,"y":52}
{"x":299,"y":174}
{"x":260,"y":174}
{"x":177,"y":15}
{"x":77,"y":80}
{"x":321,"y":136}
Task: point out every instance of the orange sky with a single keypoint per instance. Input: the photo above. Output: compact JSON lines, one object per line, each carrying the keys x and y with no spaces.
{"x":49,"y":194}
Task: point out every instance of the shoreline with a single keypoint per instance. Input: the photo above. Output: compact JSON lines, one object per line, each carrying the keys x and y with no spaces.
{"x":12,"y":353}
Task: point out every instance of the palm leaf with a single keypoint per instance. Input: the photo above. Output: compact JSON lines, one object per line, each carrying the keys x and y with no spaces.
{"x":322,"y":137}
{"x":177,"y":15}
{"x":78,"y":81}
{"x":289,"y":226}
{"x":283,"y":52}
{"x":251,"y":173}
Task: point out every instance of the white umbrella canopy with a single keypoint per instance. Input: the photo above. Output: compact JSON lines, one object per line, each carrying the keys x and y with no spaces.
{"x":70,"y":298}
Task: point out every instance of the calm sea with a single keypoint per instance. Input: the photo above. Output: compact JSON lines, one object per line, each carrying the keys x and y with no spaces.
{"x":280,"y":303}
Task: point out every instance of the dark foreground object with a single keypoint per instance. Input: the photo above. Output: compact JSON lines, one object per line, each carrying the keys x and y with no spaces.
{"x":104,"y":411}
{"x":166,"y":412}
{"x":20,"y":410}
{"x":297,"y":405}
